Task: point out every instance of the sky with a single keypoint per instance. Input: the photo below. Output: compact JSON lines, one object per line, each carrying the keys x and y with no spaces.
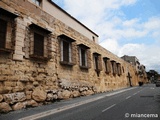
{"x":125,"y":27}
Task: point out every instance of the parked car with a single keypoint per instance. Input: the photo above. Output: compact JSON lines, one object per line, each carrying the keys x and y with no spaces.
{"x":158,"y":83}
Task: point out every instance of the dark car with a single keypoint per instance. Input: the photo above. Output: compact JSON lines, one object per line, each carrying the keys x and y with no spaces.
{"x":158,"y":83}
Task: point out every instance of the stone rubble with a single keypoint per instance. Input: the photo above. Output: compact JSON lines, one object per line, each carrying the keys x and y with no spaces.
{"x":68,"y":89}
{"x":5,"y":107}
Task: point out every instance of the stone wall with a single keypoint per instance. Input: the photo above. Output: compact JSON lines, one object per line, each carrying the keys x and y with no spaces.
{"x":27,"y":81}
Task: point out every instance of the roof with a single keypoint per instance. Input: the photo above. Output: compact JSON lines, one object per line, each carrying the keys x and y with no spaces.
{"x":71,"y":17}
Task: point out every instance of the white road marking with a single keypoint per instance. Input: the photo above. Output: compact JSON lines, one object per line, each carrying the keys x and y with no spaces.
{"x":111,"y":94}
{"x":138,"y":92}
{"x":53,"y":111}
{"x":152,"y":88}
{"x":134,"y":93}
{"x":128,"y":97}
{"x":108,"y":108}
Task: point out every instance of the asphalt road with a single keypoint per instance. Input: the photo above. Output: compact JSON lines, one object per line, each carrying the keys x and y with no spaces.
{"x":137,"y":103}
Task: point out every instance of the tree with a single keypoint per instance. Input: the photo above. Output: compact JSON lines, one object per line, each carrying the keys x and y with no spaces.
{"x":152,"y":75}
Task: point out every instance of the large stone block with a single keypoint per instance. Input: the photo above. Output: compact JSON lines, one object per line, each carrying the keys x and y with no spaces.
{"x":18,"y":89}
{"x":7,"y":72}
{"x":59,"y":94}
{"x":5,"y":90}
{"x":9,"y":84}
{"x":19,"y":52}
{"x":29,"y":87}
{"x":3,"y":78}
{"x":39,"y":94}
{"x":18,"y":106}
{"x":66,"y":94}
{"x":28,"y":95}
{"x":14,"y":97}
{"x":17,"y":57}
{"x":41,"y":77}
{"x":41,"y":70}
{"x":1,"y":98}
{"x":32,"y":103}
{"x":4,"y":107}
{"x":35,"y":83}
{"x":75,"y":93}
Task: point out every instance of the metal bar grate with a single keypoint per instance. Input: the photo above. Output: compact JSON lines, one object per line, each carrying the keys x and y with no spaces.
{"x":38,"y":44}
{"x":3,"y":30}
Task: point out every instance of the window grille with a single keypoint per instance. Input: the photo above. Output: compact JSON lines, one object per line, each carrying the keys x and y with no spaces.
{"x":107,"y":64}
{"x":38,"y":44}
{"x":97,"y":63}
{"x":6,"y":30}
{"x":83,"y":57}
{"x":119,"y":71}
{"x":114,"y":67}
{"x":66,"y":51}
{"x":3,"y":29}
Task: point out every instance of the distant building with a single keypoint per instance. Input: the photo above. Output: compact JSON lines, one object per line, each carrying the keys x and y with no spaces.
{"x":140,"y":69}
{"x":133,"y":60}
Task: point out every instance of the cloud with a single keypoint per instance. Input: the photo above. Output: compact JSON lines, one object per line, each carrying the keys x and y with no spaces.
{"x":106,"y":18}
{"x":153,"y":27}
{"x":128,"y":49}
{"x":93,"y":12}
{"x":148,"y":55}
{"x":130,"y":23}
{"x":112,"y":45}
{"x":153,"y":23}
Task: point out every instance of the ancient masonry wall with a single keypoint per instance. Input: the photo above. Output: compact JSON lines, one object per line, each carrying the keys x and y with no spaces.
{"x":26,"y":81}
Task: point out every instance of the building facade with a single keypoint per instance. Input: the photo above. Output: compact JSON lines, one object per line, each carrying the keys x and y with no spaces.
{"x":140,"y":69}
{"x":46,"y":54}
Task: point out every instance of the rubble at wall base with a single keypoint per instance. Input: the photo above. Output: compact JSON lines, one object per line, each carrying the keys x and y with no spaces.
{"x":39,"y":96}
